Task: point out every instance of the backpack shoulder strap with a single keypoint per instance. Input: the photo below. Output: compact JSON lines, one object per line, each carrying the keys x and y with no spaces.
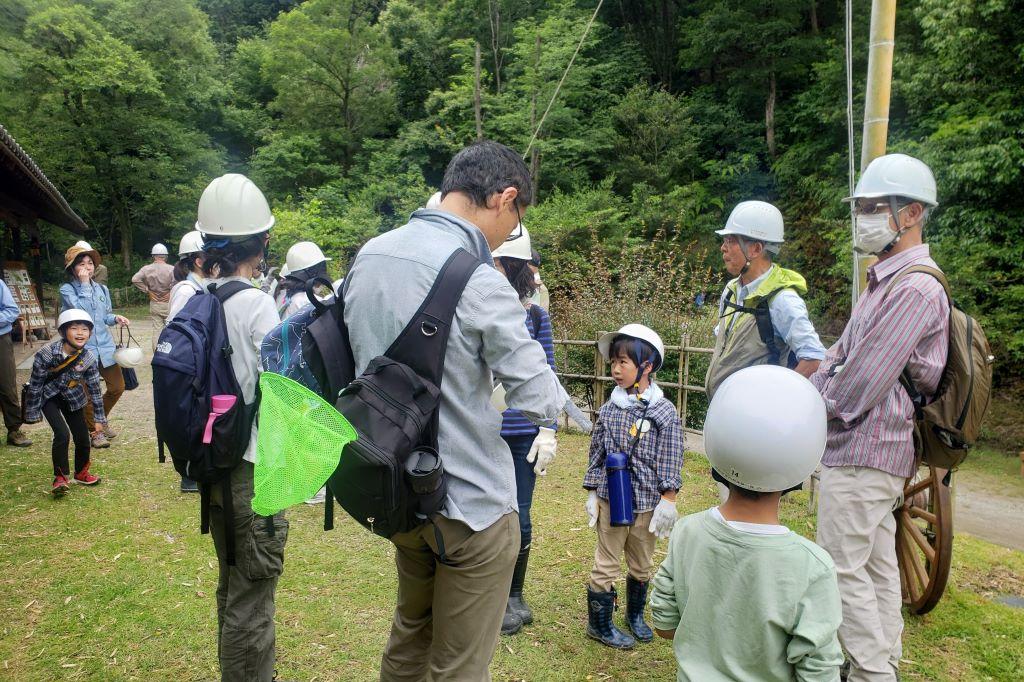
{"x":924,"y":269}
{"x":422,"y":343}
{"x":225,"y":291}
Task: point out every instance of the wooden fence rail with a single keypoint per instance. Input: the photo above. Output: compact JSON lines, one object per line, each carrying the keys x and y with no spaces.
{"x":599,"y":379}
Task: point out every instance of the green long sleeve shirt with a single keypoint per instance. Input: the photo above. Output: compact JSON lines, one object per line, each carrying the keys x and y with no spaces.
{"x":747,"y":606}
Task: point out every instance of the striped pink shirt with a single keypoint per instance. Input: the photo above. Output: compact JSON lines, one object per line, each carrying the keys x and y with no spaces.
{"x":870,"y":414}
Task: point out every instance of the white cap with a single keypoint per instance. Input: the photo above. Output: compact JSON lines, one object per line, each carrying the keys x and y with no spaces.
{"x":158,"y":250}
{"x":765,"y":428}
{"x":636,"y":331}
{"x":434,"y":201}
{"x":74,"y":315}
{"x":756,"y":220}
{"x":304,"y":255}
{"x":519,"y":248}
{"x":897,"y":175}
{"x":190,"y":243}
{"x":233,"y":206}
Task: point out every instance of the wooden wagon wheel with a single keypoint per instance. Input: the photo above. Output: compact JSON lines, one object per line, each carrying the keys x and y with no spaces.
{"x":924,"y":539}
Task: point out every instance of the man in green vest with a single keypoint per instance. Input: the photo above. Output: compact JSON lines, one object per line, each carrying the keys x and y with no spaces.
{"x":762,"y":317}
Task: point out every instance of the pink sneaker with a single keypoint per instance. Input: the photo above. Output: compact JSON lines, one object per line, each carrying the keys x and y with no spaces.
{"x":85,"y":478}
{"x":60,"y":485}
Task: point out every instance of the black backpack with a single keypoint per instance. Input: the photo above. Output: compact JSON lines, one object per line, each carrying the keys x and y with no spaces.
{"x":390,"y":479}
{"x":192,"y":363}
{"x":765,"y":329}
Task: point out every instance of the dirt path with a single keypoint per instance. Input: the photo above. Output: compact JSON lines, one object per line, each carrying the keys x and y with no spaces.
{"x":992,"y":517}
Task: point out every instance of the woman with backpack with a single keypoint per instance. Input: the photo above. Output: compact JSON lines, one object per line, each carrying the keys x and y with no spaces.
{"x":235,"y":222}
{"x":303,"y":262}
{"x":82,"y":292}
{"x":513,"y":260}
{"x":188,"y":281}
{"x":65,"y":378}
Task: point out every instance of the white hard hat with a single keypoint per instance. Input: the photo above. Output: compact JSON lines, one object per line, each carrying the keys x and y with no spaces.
{"x":636,"y":331}
{"x":765,"y":428}
{"x":74,"y":315}
{"x":285,"y":271}
{"x":190,"y":243}
{"x":128,"y":357}
{"x":434,"y":201}
{"x":158,"y":250}
{"x":83,"y":245}
{"x":519,"y":248}
{"x":304,"y":255}
{"x":897,"y":175}
{"x":756,"y":220}
{"x":233,"y":206}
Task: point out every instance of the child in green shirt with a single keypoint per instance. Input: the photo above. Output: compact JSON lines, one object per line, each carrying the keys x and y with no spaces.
{"x":740,"y":595}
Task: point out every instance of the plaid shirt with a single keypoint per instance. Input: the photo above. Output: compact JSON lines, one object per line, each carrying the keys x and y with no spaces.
{"x":85,"y":372}
{"x":871,"y":418}
{"x":654,"y":464}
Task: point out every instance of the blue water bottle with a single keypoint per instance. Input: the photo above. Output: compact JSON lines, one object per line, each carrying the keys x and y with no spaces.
{"x":620,"y":489}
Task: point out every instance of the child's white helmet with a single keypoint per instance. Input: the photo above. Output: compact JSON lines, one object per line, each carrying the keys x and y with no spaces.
{"x":765,"y":429}
{"x":636,"y":331}
{"x":190,"y":243}
{"x":519,"y":248}
{"x":304,"y":255}
{"x":73,"y":315}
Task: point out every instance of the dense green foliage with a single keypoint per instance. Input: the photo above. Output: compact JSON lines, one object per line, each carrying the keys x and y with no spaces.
{"x":346,"y":111}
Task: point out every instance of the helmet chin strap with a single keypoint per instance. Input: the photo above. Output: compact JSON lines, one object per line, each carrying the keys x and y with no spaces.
{"x":743,"y":249}
{"x":899,"y":230}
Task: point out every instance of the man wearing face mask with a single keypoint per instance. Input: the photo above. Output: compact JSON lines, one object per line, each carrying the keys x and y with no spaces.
{"x":870,"y":450}
{"x":762,"y":317}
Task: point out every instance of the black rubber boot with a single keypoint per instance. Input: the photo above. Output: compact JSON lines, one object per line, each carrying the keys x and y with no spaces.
{"x":600,"y":606}
{"x":636,"y":600}
{"x":188,"y":485}
{"x":515,"y":596}
{"x":511,"y":623}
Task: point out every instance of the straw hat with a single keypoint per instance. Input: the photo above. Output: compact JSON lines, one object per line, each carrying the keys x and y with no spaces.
{"x":75,"y":251}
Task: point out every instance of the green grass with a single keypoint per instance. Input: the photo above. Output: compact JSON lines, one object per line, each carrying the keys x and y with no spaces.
{"x":993,"y":471}
{"x":116,"y":583}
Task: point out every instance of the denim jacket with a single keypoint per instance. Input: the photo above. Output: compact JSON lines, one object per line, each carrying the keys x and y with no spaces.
{"x":93,"y":298}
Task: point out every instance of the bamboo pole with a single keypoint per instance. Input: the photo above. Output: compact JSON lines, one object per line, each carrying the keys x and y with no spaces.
{"x":881,"y":46}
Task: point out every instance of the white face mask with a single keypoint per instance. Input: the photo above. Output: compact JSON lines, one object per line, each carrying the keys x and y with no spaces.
{"x":873,"y":233}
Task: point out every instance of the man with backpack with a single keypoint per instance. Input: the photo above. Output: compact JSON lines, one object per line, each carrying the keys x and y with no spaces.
{"x":901,"y":323}
{"x":455,"y":568}
{"x":205,"y":376}
{"x":762,"y":317}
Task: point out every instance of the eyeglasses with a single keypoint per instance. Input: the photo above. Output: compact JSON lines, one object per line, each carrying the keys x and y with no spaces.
{"x":872,"y":209}
{"x":517,"y":232}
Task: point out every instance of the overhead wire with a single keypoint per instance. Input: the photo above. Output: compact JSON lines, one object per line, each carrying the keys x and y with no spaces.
{"x":558,"y":87}
{"x":850,"y":143}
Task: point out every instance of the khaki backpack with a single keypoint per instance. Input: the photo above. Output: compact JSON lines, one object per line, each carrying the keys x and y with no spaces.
{"x":947,"y":427}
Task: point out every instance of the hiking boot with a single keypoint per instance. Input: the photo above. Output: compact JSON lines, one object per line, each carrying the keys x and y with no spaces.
{"x":319,"y":498}
{"x":600,"y":606}
{"x":60,"y":485}
{"x":100,"y":441}
{"x":109,"y":431}
{"x":511,"y":623}
{"x":85,"y":478}
{"x":188,"y":485}
{"x":636,"y":599}
{"x":18,"y":439}
{"x":515,"y":596}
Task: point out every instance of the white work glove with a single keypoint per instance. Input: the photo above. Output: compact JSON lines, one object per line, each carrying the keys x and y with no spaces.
{"x":591,"y":507}
{"x":663,"y":518}
{"x":542,"y":452}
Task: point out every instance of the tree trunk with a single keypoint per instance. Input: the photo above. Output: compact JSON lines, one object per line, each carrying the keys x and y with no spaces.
{"x":769,"y":115}
{"x":476,"y":94}
{"x":534,"y":153}
{"x":814,"y":17}
{"x":494,"y":15}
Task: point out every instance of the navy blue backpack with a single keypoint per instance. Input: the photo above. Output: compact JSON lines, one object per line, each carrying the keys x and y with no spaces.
{"x":192,"y":363}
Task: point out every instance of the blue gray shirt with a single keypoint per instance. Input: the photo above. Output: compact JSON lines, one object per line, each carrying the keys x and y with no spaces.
{"x":93,"y":298}
{"x":387,"y":283}
{"x":9,"y":310}
{"x":789,"y":317}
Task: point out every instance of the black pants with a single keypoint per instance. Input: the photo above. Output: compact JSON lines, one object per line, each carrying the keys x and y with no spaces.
{"x":60,"y":419}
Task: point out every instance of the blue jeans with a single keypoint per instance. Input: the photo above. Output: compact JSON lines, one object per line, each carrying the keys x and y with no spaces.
{"x":525,"y":481}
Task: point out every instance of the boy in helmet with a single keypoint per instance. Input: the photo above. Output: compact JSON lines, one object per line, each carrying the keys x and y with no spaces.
{"x":639,"y":422}
{"x":155,"y":280}
{"x":741,"y":596}
{"x":65,"y":375}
